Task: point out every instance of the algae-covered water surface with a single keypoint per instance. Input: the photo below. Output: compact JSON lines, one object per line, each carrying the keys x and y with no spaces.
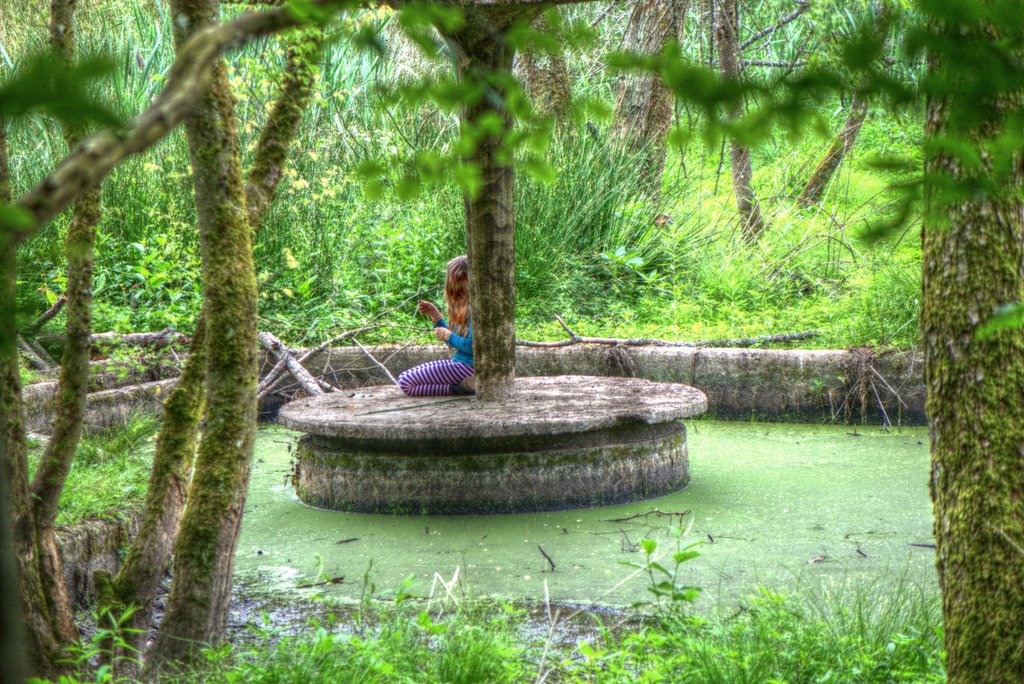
{"x":773,"y":505}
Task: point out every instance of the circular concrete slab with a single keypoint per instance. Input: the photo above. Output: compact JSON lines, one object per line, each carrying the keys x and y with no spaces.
{"x":561,"y":442}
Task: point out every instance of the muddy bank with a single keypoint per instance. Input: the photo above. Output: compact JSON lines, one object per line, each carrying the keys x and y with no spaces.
{"x":92,"y":545}
{"x":763,"y":384}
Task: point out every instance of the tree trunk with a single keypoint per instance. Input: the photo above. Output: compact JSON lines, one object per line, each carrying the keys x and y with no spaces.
{"x":204,"y":552}
{"x":973,"y":251}
{"x":546,"y":80}
{"x":44,"y":637}
{"x":283,"y":124}
{"x":138,"y":579}
{"x":490,"y":215}
{"x":727,"y":32}
{"x":47,"y":608}
{"x":643,"y":104}
{"x":837,"y":151}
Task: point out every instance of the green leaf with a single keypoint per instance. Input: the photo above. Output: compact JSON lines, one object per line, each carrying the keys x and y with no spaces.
{"x":648,"y":545}
{"x":1006,"y":317}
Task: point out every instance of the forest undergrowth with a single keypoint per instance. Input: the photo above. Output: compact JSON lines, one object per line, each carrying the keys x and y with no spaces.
{"x":887,"y":631}
{"x":591,"y":246}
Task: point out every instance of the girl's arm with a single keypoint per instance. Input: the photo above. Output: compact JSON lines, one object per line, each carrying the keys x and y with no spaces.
{"x":462,"y":343}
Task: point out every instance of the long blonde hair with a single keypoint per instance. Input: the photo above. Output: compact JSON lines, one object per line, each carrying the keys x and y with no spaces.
{"x":456,"y":293}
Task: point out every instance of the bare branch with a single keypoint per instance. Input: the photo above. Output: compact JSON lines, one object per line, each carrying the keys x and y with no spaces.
{"x":763,"y":33}
{"x":47,"y":315}
{"x":378,"y":363}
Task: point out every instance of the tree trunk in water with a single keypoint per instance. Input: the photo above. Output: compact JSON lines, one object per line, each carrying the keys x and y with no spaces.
{"x":643,"y":105}
{"x":837,"y":151}
{"x":546,"y":80}
{"x":490,"y":215}
{"x":727,"y":33}
{"x":973,"y":251}
{"x":204,"y":552}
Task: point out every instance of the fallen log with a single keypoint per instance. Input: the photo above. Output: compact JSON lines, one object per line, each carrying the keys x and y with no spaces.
{"x":311,"y":385}
{"x":150,"y":340}
{"x":273,"y":378}
{"x":31,"y":355}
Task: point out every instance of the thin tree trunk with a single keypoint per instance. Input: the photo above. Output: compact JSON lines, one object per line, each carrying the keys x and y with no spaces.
{"x":546,"y":80}
{"x":44,"y":640}
{"x":282,"y":125}
{"x":643,"y":104}
{"x":490,"y":215}
{"x":139,"y":577}
{"x":837,"y":151}
{"x":204,"y":552}
{"x":12,"y":638}
{"x":39,"y":560}
{"x":973,"y":252}
{"x":727,"y":32}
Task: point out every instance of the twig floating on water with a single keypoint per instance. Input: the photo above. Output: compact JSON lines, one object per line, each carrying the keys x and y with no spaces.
{"x":653,"y":511}
{"x":546,"y":557}
{"x":333,"y":580}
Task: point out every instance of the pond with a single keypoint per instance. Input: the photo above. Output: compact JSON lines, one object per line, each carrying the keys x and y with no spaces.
{"x":772,"y":505}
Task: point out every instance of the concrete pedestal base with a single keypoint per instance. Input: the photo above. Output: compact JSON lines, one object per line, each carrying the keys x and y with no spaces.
{"x":562,"y":442}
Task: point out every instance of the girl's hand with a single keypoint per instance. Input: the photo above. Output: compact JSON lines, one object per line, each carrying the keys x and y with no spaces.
{"x":429,"y":310}
{"x":442,"y":334}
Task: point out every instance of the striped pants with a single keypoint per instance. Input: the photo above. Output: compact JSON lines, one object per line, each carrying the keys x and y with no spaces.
{"x":434,"y":379}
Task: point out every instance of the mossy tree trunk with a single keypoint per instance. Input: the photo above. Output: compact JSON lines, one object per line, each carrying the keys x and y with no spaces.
{"x":490,"y":215}
{"x":137,"y":581}
{"x":45,"y":603}
{"x":204,"y":551}
{"x":973,"y":262}
{"x":837,"y":151}
{"x":643,"y":104}
{"x":545,"y":78}
{"x":727,"y":34}
{"x":17,"y":596}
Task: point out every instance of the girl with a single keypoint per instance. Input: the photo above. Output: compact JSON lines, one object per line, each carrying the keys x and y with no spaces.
{"x":443,"y":378}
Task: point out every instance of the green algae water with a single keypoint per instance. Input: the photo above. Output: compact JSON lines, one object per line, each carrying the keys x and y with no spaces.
{"x":773,"y":505}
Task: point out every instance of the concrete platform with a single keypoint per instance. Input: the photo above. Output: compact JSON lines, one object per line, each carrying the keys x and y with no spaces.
{"x":561,"y":442}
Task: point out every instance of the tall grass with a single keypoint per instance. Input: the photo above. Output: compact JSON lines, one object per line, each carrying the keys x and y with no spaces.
{"x":587,"y":245}
{"x":109,"y":472}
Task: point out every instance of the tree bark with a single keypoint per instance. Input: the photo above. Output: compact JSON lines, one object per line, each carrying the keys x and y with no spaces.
{"x":643,"y":104}
{"x":50,"y":619}
{"x":490,"y":215}
{"x":283,"y":123}
{"x":727,"y":33}
{"x":204,"y":552}
{"x":546,"y":80}
{"x":29,"y":598}
{"x":837,"y":151}
{"x":973,"y":252}
{"x":137,"y":581}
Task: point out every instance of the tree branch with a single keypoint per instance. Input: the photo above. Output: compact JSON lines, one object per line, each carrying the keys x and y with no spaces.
{"x":282,"y":124}
{"x":801,"y":8}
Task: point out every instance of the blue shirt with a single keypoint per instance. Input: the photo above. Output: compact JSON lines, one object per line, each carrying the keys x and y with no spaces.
{"x":462,"y":344}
